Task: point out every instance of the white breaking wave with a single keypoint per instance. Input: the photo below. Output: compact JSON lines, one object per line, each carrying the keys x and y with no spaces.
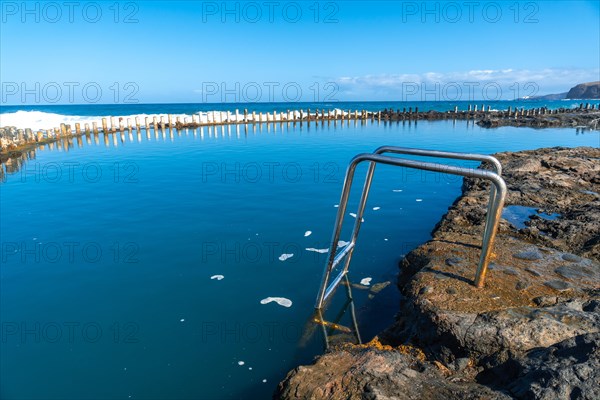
{"x":39,"y":120}
{"x":43,"y":120}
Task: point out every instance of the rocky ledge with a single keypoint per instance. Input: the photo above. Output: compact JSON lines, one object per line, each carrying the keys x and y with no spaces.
{"x":533,"y":332}
{"x":586,"y":116}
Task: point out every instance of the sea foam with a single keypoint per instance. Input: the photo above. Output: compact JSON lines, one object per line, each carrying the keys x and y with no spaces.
{"x":317,"y":250}
{"x":282,"y":301}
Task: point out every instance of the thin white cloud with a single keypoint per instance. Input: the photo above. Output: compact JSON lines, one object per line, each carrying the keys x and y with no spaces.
{"x":550,"y":80}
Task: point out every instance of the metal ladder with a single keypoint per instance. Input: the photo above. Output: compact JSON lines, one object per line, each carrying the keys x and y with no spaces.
{"x":329,"y":327}
{"x":494,"y":211}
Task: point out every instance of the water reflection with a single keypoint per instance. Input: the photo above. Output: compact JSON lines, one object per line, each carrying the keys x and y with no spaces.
{"x":117,"y":138}
{"x":338,"y":329}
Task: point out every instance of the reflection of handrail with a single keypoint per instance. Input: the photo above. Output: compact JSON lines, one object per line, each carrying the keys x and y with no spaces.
{"x":319,"y":319}
{"x":498,"y":194}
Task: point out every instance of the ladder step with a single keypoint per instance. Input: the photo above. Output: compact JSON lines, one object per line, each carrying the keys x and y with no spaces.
{"x":333,"y":325}
{"x":333,"y":285}
{"x":342,"y":254}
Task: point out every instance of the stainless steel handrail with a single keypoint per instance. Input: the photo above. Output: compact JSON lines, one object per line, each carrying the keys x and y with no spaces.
{"x":497,"y":194}
{"x":442,"y":154}
{"x":496,"y":167}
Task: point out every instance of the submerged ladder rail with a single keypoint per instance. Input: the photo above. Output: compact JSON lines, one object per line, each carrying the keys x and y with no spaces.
{"x":327,"y":327}
{"x":497,"y":196}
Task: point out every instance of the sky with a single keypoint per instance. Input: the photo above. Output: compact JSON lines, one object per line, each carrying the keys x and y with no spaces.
{"x":79,"y":52}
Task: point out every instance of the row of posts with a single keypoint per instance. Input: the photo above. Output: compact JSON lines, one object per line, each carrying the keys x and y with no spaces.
{"x":216,"y":118}
{"x":213,"y":118}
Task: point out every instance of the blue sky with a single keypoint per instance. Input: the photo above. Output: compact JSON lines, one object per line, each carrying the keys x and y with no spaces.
{"x":212,"y":51}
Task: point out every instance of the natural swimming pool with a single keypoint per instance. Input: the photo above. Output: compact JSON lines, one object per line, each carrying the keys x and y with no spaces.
{"x":108,"y":252}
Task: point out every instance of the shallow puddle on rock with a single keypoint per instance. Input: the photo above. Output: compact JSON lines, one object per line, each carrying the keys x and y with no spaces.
{"x":519,"y":215}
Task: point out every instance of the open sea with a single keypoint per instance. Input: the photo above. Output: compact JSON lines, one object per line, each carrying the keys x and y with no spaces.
{"x":184,"y":264}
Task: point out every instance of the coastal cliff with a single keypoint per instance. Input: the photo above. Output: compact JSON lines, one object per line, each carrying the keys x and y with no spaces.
{"x":590,"y":90}
{"x":533,"y":332}
{"x":582,"y":91}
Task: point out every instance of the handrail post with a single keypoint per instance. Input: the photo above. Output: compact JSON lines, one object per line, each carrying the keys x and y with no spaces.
{"x":336,"y":232}
{"x":361,"y":211}
{"x":497,"y":196}
{"x":491,"y":228}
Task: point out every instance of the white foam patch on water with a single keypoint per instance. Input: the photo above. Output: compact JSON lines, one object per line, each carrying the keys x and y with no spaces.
{"x":342,"y":243}
{"x":284,"y":257}
{"x":217,"y":277}
{"x":366,"y":281}
{"x":317,"y":250}
{"x":182,"y":320}
{"x":376,"y":208}
{"x":419,"y":200}
{"x":396,"y":190}
{"x":307,"y":233}
{"x":386,"y":239}
{"x":354,"y":216}
{"x":336,"y":206}
{"x":282,"y":301}
{"x":241,"y":363}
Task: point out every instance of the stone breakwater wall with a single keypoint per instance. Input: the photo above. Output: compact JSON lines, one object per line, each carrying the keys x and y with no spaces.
{"x":586,"y":115}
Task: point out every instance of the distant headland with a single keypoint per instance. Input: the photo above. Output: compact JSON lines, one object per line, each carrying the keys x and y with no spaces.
{"x":582,"y":91}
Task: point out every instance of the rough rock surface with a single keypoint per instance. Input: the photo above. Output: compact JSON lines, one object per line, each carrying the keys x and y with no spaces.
{"x":567,"y":370}
{"x":586,"y":116}
{"x":541,"y":278}
{"x":565,"y":118}
{"x":540,"y":305}
{"x":559,"y":180}
{"x":367,"y":373}
{"x":590,"y":90}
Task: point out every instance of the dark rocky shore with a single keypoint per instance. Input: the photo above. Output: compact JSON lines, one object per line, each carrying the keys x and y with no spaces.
{"x":533,"y":332}
{"x":585,"y":116}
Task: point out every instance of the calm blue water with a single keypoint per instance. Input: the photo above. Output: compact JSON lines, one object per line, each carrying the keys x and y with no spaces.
{"x":108,"y":250}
